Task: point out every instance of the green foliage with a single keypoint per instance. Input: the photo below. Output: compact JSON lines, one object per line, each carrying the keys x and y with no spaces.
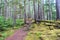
{"x":2,"y":20}
{"x":5,"y":23}
{"x":9,"y":22}
{"x":38,"y":34}
{"x":19,"y":21}
{"x":6,"y":33}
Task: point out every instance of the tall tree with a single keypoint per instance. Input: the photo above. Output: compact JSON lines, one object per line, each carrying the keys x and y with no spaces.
{"x":39,"y":10}
{"x":58,"y":9}
{"x":35,"y":16}
{"x":53,"y":4}
{"x":29,"y":13}
{"x":15,"y":2}
{"x":20,"y":6}
{"x":42,"y":9}
{"x":1,"y":7}
{"x":24,"y":11}
{"x":5,"y":8}
{"x":49,"y":12}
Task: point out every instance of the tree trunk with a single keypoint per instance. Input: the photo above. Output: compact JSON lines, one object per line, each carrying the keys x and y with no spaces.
{"x":29,"y":13}
{"x":42,"y":9}
{"x":39,"y":11}
{"x":50,"y":12}
{"x":34,"y":10}
{"x":0,"y":11}
{"x":20,"y":13}
{"x":14,"y":15}
{"x":5,"y":8}
{"x":25,"y":11}
{"x":49,"y":15}
{"x":58,"y":9}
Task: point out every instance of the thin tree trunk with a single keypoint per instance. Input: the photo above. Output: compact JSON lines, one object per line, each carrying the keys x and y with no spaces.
{"x":5,"y":8}
{"x":0,"y":11}
{"x":42,"y":9}
{"x":50,"y":12}
{"x":29,"y":13}
{"x":34,"y":10}
{"x":49,"y":15}
{"x":20,"y":12}
{"x":14,"y":15}
{"x":25,"y":11}
{"x":39,"y":10}
{"x":20,"y":6}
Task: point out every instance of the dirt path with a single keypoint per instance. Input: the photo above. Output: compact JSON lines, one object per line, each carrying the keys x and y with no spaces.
{"x":19,"y":34}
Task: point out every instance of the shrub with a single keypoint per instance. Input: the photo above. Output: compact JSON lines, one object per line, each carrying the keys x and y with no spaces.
{"x":9,"y":22}
{"x":5,"y":23}
{"x":2,"y":20}
{"x":19,"y":21}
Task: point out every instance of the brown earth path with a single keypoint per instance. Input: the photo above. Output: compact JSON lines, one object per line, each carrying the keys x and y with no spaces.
{"x":19,"y":34}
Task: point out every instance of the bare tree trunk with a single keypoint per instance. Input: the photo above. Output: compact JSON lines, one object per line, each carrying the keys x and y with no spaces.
{"x":29,"y":13}
{"x":58,"y":9}
{"x":5,"y":8}
{"x":25,"y":11}
{"x":39,"y":11}
{"x":0,"y":11}
{"x":14,"y":15}
{"x":20,"y":6}
{"x":50,"y":12}
{"x":20,"y":12}
{"x":49,"y":15}
{"x":42,"y":9}
{"x":34,"y":10}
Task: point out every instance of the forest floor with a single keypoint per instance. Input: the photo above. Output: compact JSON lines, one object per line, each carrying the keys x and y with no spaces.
{"x":18,"y":35}
{"x":43,"y":32}
{"x":36,"y":32}
{"x":21,"y":33}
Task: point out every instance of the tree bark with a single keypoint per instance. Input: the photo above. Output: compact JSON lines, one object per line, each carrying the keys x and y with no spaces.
{"x":25,"y":11}
{"x":39,"y":11}
{"x":29,"y":13}
{"x":49,"y":13}
{"x":5,"y":9}
{"x":58,"y":9}
{"x":14,"y":17}
{"x":35,"y":16}
{"x":42,"y":9}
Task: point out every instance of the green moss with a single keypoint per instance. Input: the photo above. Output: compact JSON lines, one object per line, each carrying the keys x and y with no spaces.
{"x":42,"y":32}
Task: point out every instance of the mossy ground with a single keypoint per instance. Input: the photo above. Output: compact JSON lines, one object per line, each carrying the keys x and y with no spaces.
{"x":43,"y":32}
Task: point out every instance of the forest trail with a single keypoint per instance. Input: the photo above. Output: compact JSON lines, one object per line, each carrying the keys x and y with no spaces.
{"x":20,"y":34}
